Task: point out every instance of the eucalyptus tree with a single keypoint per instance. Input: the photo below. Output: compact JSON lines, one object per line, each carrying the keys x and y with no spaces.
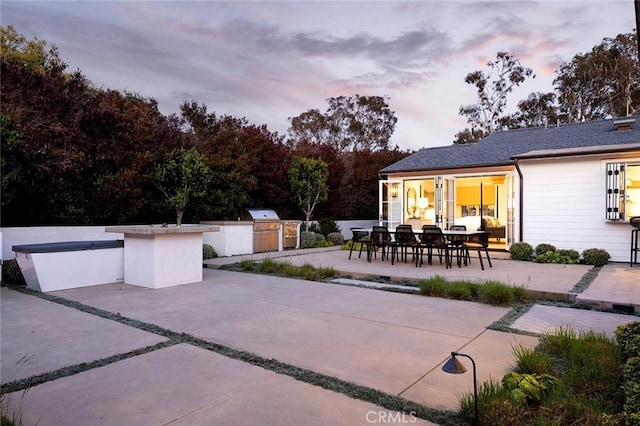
{"x":503,"y":75}
{"x":604,"y":81}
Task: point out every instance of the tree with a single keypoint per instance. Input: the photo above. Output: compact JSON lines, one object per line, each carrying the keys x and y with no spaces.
{"x":484,"y":117}
{"x":32,"y":54}
{"x":308,"y":179}
{"x":602,"y":82}
{"x":184,"y":174}
{"x":539,"y":109}
{"x":351,"y":123}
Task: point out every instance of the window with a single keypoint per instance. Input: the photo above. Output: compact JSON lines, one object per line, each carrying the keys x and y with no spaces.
{"x":623,"y":190}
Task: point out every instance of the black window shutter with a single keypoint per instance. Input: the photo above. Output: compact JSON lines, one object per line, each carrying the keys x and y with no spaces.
{"x":615,"y":191}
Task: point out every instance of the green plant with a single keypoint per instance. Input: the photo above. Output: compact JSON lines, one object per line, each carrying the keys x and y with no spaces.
{"x":320,"y":237}
{"x":595,"y":257}
{"x":496,"y":293}
{"x":462,"y":290}
{"x":323,"y":243}
{"x":328,"y":272}
{"x":434,"y":286}
{"x":247,"y":265}
{"x":570,"y":378}
{"x":268,"y":266}
{"x":521,"y":251}
{"x":520,"y":294}
{"x":494,"y":405}
{"x":527,"y":388}
{"x":286,"y":269}
{"x":307,"y":239}
{"x":631,"y":388}
{"x":530,"y":360}
{"x":208,"y":252}
{"x":11,"y":273}
{"x":544,"y":248}
{"x":336,"y":238}
{"x":628,"y":338}
{"x":309,"y":272}
{"x":560,"y":256}
{"x":328,"y":225}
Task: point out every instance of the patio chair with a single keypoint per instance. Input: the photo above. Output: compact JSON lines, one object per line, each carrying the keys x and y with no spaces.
{"x":404,"y":240}
{"x":480,"y":243}
{"x":380,"y":239}
{"x":432,"y":239}
{"x":359,"y":236}
{"x":457,"y":244}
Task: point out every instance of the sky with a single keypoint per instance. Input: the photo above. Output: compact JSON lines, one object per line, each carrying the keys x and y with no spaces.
{"x":268,"y":61}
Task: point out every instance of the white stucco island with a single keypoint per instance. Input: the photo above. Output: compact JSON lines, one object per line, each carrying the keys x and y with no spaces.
{"x":157,"y":256}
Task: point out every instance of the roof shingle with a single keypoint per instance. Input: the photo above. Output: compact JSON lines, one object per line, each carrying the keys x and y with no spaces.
{"x":499,"y":147}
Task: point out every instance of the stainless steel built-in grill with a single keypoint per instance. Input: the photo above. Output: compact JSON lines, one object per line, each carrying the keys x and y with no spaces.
{"x":266,"y":229}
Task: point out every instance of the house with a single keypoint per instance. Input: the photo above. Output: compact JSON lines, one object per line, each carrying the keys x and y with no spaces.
{"x":572,"y":185}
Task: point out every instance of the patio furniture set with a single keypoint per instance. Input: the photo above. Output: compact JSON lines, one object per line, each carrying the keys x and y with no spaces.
{"x":405,"y":243}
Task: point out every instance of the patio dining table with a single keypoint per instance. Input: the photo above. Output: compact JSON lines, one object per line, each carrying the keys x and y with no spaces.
{"x":450,"y":234}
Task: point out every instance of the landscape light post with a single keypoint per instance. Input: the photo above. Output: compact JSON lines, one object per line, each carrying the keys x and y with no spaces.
{"x":454,"y":366}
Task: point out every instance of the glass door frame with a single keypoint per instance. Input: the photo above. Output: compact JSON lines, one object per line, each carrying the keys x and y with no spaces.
{"x":391,"y":202}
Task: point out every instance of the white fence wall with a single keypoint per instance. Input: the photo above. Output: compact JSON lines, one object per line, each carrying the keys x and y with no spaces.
{"x":10,"y":236}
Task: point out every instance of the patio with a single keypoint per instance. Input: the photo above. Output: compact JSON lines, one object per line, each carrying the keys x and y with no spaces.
{"x":393,"y":343}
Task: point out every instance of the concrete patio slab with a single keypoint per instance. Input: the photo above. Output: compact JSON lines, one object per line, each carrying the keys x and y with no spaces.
{"x":542,"y":319}
{"x":371,"y":338}
{"x":616,"y":286}
{"x":40,"y":336}
{"x":281,"y":400}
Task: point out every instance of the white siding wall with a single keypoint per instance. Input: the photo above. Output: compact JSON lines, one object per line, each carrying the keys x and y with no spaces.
{"x":564,"y":205}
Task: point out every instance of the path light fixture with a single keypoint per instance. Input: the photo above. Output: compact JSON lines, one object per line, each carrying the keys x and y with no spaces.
{"x":454,"y":366}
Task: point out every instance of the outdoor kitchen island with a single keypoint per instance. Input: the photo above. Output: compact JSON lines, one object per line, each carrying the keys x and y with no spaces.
{"x":157,"y":256}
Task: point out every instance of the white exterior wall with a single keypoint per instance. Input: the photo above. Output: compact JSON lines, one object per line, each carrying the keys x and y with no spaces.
{"x":564,"y":205}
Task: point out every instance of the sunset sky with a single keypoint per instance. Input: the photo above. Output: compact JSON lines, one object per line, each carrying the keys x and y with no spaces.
{"x":271,"y":60}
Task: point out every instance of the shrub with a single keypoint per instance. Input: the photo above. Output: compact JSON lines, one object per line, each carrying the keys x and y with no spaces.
{"x":268,"y":266}
{"x":307,"y":239}
{"x":435,"y":286}
{"x":628,"y":338}
{"x":462,"y":290}
{"x":11,"y":273}
{"x":559,"y":256}
{"x":320,"y":237}
{"x":521,"y":251}
{"x":631,"y":388}
{"x":544,"y":248}
{"x":327,"y":272}
{"x":495,"y":407}
{"x":496,"y":293}
{"x":286,"y":269}
{"x":247,"y":265}
{"x":208,"y":252}
{"x":323,"y":243}
{"x":327,"y":225}
{"x":595,"y":257}
{"x":532,"y":361}
{"x":336,"y":238}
